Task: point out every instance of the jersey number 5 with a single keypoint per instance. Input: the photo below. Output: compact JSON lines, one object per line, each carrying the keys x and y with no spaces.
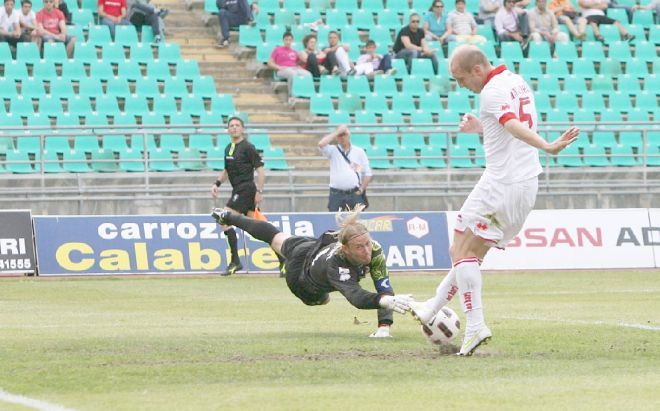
{"x":522,"y":116}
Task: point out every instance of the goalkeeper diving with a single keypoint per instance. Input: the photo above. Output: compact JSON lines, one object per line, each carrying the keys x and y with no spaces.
{"x":336,"y":261}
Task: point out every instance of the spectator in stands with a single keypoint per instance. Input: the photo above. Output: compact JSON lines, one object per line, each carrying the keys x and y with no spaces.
{"x":28,"y":20}
{"x":487,"y":10}
{"x":410,"y":44}
{"x":315,"y":61}
{"x":435,"y":23}
{"x":140,"y":12}
{"x":242,"y":161}
{"x":10,"y":27}
{"x":113,"y":13}
{"x":653,"y":5}
{"x":568,"y":15}
{"x":340,"y":51}
{"x":543,"y":24}
{"x":51,"y":26}
{"x":594,"y":12}
{"x":284,"y":60}
{"x":462,"y":26}
{"x":371,"y":63}
{"x":350,"y":173}
{"x":233,"y":13}
{"x":508,"y":24}
{"x":61,"y":6}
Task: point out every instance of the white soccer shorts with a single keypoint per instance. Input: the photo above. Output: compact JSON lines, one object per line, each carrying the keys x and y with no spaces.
{"x":495,"y":211}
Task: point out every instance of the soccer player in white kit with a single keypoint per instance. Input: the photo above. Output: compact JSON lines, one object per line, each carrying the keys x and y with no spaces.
{"x":497,"y":207}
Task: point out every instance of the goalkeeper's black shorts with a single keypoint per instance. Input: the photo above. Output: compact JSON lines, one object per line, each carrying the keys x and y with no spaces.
{"x":295,"y":250}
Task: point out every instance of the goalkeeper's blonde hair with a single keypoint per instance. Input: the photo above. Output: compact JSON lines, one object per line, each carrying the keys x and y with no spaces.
{"x":349,"y":225}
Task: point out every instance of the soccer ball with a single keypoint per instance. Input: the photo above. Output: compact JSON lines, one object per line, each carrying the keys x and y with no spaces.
{"x":443,"y":327}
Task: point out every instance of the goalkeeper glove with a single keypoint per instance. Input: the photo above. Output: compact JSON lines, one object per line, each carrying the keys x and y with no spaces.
{"x":399,"y":303}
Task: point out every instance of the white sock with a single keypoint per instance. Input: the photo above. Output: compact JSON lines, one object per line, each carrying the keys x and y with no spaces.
{"x":468,"y":278}
{"x":444,"y":293}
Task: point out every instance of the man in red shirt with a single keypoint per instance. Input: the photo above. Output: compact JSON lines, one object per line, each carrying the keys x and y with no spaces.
{"x":51,"y":26}
{"x":113,"y":13}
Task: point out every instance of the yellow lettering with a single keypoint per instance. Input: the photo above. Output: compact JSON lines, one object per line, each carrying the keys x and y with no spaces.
{"x":265,"y":258}
{"x":196,"y":254}
{"x":114,"y":260}
{"x":141,"y":257}
{"x":170,"y":260}
{"x":63,"y":256}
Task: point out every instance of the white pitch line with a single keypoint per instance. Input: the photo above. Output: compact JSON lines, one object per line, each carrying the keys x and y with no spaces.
{"x":622,"y":324}
{"x":30,"y":402}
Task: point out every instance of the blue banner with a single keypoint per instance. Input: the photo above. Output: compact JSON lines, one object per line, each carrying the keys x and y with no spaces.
{"x":194,"y":244}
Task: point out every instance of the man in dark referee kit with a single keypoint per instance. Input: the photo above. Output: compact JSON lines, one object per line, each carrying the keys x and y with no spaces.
{"x":241,"y":161}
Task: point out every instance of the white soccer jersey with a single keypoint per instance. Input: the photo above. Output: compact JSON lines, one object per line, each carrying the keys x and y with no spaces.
{"x":506,"y":96}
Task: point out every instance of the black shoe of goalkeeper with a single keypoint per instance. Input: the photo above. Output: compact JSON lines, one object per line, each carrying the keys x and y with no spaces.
{"x":232,"y":268}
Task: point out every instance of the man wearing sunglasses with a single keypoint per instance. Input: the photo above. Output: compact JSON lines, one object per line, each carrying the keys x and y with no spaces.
{"x":410,"y":44}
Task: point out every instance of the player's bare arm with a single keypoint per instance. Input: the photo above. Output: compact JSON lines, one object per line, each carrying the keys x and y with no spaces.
{"x":522,"y":132}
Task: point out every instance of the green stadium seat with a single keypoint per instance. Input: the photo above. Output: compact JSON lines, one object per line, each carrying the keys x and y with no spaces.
{"x":147,"y":87}
{"x":114,"y":143}
{"x":439,"y":140}
{"x":575,"y":84}
{"x":75,"y":31}
{"x":469,"y":140}
{"x":19,"y":162}
{"x":284,"y":18}
{"x":20,"y":106}
{"x":74,"y":70}
{"x":273,"y":36}
{"x":147,"y":35}
{"x":623,"y":156}
{"x":261,"y":141}
{"x":389,"y":141}
{"x":113,"y":53}
{"x":339,"y":117}
{"x":654,"y":34}
{"x":125,"y":122}
{"x":189,"y":159}
{"x":54,"y":53}
{"x":363,"y":19}
{"x":604,"y":139}
{"x":645,"y":51}
{"x":539,"y":51}
{"x":192,"y":105}
{"x":404,"y":103}
{"x":181,"y":123}
{"x":126,"y":35}
{"x":385,"y":86}
{"x":511,"y":52}
{"x":45,"y":71}
{"x":98,"y":35}
{"x":177,"y":87}
{"x":164,"y":105}
{"x":548,"y":84}
{"x":336,"y":18}
{"x":159,"y":70}
{"x":398,"y":6}
{"x":138,"y":140}
{"x":117,"y":87}
{"x":65,"y":120}
{"x":566,"y":51}
{"x":57,"y":144}
{"x":15,"y":70}
{"x":104,"y":161}
{"x":320,"y":5}
{"x":643,"y":18}
{"x":460,"y":157}
{"x":143,"y":54}
{"x":365,"y":118}
{"x":376,"y":103}
{"x":595,"y":156}
{"x":274,"y":159}
{"x":136,"y":105}
{"x":587,"y":117}
{"x":321,"y":105}
{"x":102,"y":71}
{"x":619,"y":101}
{"x":530,"y":69}
{"x":28,"y":52}
{"x":414,"y":86}
{"x":570,"y":157}
{"x":388,"y":19}
{"x":631,"y":139}
{"x":372,"y":6}
{"x":401,"y":68}
{"x":593,"y":101}
{"x":201,"y":142}
{"x":620,"y":50}
{"x":223,"y":104}
{"x":432,"y":157}
{"x":610,"y":32}
{"x":306,"y":17}
{"x":349,"y":103}
{"x":610,"y":67}
{"x":28,"y":144}
{"x":170,"y":52}
{"x":421,"y":117}
{"x":414,"y":140}
{"x":556,"y":68}
{"x":32,"y":88}
{"x":378,"y":158}
{"x":584,"y":68}
{"x":647,"y":100}
{"x":204,"y":86}
{"x":5,"y":53}
{"x":84,"y":53}
{"x":459,"y":101}
{"x":609,"y":115}
{"x":592,"y":51}
{"x":358,"y":85}
{"x":82,"y":17}
{"x":430,"y":103}
{"x":567,"y":100}
{"x":131,"y":161}
{"x":130,"y":70}
{"x":406,"y":157}
{"x":50,"y":106}
{"x":80,"y":106}
{"x":52,"y":162}
{"x":75,"y":162}
{"x":637,"y":68}
{"x":61,"y":88}
{"x":172,"y":142}
{"x":330,"y":86}
{"x":188,"y":69}
{"x":86,"y":144}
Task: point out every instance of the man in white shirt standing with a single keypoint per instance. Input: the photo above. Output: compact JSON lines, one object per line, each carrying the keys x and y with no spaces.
{"x":498,"y":205}
{"x":10,"y":30}
{"x":350,"y":172}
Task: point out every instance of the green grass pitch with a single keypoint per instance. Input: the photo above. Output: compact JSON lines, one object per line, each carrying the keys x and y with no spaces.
{"x":561,"y":340}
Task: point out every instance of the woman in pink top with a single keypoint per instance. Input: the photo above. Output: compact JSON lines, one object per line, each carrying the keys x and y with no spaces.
{"x":284,"y":60}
